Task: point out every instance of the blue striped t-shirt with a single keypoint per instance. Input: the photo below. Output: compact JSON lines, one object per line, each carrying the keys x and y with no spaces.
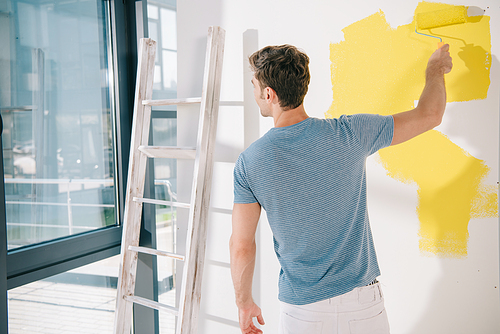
{"x":310,"y":178}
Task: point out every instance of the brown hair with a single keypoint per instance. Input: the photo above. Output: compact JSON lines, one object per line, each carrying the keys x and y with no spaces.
{"x":285,"y":69}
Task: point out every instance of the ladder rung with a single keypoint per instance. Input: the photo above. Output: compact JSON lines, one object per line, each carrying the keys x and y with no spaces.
{"x":172,"y":152}
{"x":160,"y":202}
{"x":156,"y":252}
{"x":231,"y":103}
{"x":169,"y":102}
{"x":152,"y":304}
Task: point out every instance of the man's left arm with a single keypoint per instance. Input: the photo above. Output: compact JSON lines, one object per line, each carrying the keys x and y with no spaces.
{"x":243,"y":249}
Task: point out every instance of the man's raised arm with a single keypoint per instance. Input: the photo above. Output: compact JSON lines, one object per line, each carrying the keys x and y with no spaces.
{"x":243,"y":248}
{"x":431,"y":105}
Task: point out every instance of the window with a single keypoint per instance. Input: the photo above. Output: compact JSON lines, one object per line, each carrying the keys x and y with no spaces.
{"x":66,"y":94}
{"x":162,"y":27}
{"x":59,"y":139}
{"x":58,"y":127}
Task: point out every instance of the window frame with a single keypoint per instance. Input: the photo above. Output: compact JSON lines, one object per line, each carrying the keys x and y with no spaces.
{"x":38,"y":261}
{"x":3,"y":249}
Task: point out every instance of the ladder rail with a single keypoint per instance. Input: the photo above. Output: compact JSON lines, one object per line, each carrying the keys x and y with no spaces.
{"x":136,"y":176}
{"x":197,"y":225}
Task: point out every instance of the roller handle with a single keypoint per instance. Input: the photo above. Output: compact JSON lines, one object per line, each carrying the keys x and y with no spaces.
{"x":440,"y":44}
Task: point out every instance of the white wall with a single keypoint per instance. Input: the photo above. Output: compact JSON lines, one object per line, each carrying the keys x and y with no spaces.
{"x":425,"y":293}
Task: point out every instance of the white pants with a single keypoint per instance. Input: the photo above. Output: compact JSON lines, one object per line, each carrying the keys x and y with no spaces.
{"x":360,"y":311}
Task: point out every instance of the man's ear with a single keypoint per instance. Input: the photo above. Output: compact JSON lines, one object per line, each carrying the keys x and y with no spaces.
{"x":269,"y":94}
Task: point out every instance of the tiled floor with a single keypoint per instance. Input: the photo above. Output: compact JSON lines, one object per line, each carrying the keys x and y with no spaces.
{"x":46,"y":307}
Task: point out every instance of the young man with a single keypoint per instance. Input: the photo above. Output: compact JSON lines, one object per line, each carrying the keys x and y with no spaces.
{"x":309,"y":176}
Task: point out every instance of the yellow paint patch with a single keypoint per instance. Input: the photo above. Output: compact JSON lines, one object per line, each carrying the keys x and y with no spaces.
{"x":380,"y":70}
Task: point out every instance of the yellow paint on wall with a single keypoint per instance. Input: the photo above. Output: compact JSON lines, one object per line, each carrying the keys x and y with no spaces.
{"x":380,"y":70}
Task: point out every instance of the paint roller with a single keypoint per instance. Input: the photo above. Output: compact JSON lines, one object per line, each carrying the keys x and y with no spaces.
{"x":440,"y":18}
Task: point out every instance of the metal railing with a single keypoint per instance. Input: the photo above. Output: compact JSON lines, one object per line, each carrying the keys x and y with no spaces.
{"x":61,"y":182}
{"x":65,"y":185}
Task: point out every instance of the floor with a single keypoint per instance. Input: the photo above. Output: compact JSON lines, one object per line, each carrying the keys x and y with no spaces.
{"x":47,"y":307}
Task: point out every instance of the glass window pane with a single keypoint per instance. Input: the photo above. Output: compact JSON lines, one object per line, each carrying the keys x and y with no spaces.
{"x":152,"y":12}
{"x":153,"y":30}
{"x":157,"y":78}
{"x":169,"y":61}
{"x":56,"y":107}
{"x":169,"y":28}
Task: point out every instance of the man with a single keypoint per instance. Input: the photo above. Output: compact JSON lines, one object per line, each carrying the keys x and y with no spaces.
{"x":309,"y":176}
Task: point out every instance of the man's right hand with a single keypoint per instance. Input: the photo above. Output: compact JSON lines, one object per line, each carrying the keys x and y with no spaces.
{"x":440,"y":61}
{"x":246,"y":315}
{"x":432,"y":103}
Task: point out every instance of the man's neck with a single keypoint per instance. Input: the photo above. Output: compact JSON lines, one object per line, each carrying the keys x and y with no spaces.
{"x":289,"y":117}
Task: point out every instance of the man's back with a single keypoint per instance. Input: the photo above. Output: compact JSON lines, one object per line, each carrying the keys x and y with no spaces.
{"x":310,"y":179}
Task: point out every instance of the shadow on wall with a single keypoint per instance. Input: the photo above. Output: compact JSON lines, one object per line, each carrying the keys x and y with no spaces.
{"x":215,"y":310}
{"x":461,"y":299}
{"x":454,"y":307}
{"x":219,"y":311}
{"x":193,"y":20}
{"x":460,"y":122}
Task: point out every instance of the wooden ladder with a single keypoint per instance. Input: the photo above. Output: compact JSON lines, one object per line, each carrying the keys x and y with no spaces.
{"x":190,"y":294}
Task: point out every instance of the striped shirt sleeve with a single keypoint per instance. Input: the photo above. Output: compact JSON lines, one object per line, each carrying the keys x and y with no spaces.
{"x":373,"y":131}
{"x":242,"y":192}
